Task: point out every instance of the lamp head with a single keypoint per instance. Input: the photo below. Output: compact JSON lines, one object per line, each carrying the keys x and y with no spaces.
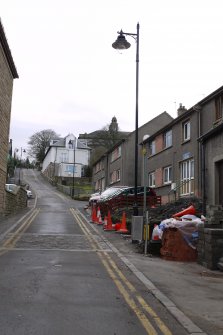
{"x":121,"y":42}
{"x":145,"y":137}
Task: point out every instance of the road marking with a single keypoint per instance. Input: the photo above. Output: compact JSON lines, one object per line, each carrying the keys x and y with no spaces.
{"x":60,"y":249}
{"x":121,"y":281}
{"x":12,"y":240}
{"x":183,"y":320}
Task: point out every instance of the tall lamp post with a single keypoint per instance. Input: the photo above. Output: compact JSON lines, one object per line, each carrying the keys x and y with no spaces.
{"x":73,"y":143}
{"x":145,"y":211}
{"x":20,"y":165}
{"x":120,"y":44}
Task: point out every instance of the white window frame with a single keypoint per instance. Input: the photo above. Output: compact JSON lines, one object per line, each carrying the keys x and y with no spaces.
{"x":186,"y":131}
{"x":64,"y":157}
{"x":118,"y":175}
{"x":116,"y":153}
{"x":187,"y":177}
{"x":167,"y":175}
{"x":70,"y":168}
{"x":115,"y":176}
{"x":151,"y":177}
{"x":168,"y":141}
{"x":152,"y":146}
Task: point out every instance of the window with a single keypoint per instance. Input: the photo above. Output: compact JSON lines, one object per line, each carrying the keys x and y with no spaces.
{"x":186,"y":131}
{"x":219,"y":108}
{"x":115,"y":176}
{"x":187,"y":177}
{"x":167,"y":174}
{"x":152,"y":148}
{"x":152,"y":179}
{"x":168,"y":139}
{"x":99,"y":185}
{"x":98,"y":167}
{"x":116,"y":153}
{"x":64,"y":157}
{"x":71,"y":144}
{"x":70,"y":169}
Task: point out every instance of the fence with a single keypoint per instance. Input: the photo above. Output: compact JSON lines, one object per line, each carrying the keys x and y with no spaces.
{"x":78,"y":192}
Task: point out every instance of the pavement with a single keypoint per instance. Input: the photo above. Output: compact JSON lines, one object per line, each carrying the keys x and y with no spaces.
{"x":189,"y":291}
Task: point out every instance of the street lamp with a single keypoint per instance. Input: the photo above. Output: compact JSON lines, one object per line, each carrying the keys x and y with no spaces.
{"x":120,"y":44}
{"x":145,"y":211}
{"x":73,"y":143}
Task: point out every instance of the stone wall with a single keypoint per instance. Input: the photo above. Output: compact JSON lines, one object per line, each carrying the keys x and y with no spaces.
{"x":210,"y":245}
{"x":15,"y":201}
{"x":8,"y":72}
{"x":6,"y":83}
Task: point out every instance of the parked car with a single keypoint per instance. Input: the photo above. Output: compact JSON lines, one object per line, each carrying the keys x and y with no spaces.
{"x":29,"y":194}
{"x":11,"y":187}
{"x":94,"y":198}
{"x":124,"y":197}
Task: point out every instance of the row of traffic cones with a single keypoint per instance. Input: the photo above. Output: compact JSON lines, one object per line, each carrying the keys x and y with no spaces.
{"x":108,"y":225}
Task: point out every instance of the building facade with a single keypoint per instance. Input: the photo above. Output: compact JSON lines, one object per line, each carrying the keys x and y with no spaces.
{"x":173,"y":154}
{"x":116,"y":166}
{"x":66,"y":158}
{"x":8,"y":73}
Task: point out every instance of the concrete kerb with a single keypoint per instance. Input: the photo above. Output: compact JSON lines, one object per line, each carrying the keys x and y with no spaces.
{"x":188,"y":325}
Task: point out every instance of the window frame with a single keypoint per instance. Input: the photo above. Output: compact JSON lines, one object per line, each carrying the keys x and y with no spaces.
{"x":115,"y":176}
{"x":116,"y":153}
{"x":186,"y":130}
{"x":152,"y":179}
{"x":218,"y":108}
{"x":169,"y":170}
{"x":187,"y":177}
{"x":168,"y":138}
{"x":152,"y":147}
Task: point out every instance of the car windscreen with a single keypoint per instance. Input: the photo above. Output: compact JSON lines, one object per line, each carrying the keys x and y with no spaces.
{"x":111,"y":192}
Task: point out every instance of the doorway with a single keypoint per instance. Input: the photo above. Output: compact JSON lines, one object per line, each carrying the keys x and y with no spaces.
{"x":220,"y":181}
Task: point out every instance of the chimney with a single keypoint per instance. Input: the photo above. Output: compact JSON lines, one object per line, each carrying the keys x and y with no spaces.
{"x":181,"y":110}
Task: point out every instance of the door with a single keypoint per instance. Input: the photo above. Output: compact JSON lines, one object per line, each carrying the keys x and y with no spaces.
{"x":220,"y":174}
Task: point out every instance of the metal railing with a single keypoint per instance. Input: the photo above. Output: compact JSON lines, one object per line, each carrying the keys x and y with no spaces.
{"x":179,"y":186}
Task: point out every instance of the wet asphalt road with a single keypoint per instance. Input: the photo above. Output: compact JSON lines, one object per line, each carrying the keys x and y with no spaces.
{"x":58,"y":277}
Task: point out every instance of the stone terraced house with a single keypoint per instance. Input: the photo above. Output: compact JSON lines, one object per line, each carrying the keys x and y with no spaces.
{"x":8,"y":73}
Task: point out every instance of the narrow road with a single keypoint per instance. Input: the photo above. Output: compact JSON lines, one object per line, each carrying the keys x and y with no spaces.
{"x":60,"y":277}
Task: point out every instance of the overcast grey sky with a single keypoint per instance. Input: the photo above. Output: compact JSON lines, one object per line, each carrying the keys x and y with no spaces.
{"x":71,"y":80}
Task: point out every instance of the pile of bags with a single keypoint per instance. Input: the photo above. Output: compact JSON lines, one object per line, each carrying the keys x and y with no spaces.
{"x":186,"y":222}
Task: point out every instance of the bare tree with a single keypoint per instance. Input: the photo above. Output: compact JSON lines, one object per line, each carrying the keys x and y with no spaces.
{"x":39,"y":142}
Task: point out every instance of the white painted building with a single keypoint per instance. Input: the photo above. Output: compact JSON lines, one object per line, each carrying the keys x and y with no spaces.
{"x":67,"y":157}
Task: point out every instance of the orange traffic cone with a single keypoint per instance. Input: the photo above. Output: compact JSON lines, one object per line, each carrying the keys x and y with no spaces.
{"x":117,"y":225}
{"x":98,"y":214}
{"x":123,"y":228}
{"x":105,"y":222}
{"x":93,"y":215}
{"x":109,"y":226}
{"x":100,"y":220}
{"x":189,"y":210}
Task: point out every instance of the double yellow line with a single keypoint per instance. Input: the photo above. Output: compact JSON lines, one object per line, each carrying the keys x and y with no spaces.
{"x":11,"y":241}
{"x":127,"y":290}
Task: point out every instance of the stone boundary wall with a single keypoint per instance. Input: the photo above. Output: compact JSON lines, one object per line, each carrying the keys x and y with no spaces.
{"x":210,"y":247}
{"x":210,"y":243}
{"x":15,"y":201}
